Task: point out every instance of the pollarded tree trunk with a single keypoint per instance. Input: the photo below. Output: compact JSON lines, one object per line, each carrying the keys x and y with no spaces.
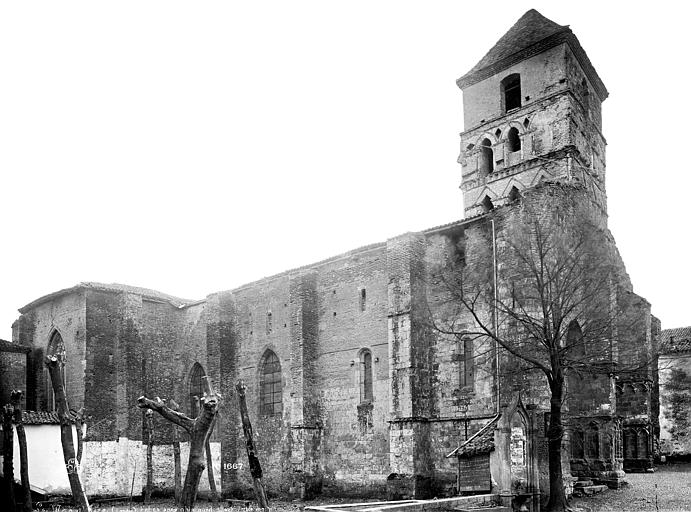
{"x":210,"y":466}
{"x":79,"y":423}
{"x":23,"y":455}
{"x":198,"y":430}
{"x":66,"y":423}
{"x":557,"y":496}
{"x":7,"y":459}
{"x":255,"y":467}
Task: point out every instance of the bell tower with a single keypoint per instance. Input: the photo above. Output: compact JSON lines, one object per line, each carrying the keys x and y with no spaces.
{"x":532,"y":113}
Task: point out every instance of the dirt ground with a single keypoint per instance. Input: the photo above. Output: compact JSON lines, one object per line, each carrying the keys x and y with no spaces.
{"x":666,"y":490}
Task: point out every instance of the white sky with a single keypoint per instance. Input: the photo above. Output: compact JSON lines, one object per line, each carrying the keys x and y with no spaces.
{"x":193,"y":147}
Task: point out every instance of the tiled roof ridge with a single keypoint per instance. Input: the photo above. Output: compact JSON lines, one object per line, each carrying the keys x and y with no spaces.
{"x":675,"y":340}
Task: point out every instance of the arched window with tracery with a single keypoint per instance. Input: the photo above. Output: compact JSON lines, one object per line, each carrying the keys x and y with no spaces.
{"x":366,"y":392}
{"x":196,"y":389}
{"x":56,"y":348}
{"x":270,"y":392}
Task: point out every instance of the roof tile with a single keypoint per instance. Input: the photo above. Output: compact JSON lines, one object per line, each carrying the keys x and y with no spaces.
{"x":676,"y":340}
{"x":531,"y":28}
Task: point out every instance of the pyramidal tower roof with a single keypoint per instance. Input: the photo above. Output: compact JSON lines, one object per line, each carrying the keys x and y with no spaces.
{"x":530,"y":35}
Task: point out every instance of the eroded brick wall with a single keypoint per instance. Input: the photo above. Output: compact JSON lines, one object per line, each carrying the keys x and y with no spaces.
{"x":65,"y":314}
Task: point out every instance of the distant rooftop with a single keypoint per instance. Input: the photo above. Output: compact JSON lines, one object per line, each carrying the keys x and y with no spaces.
{"x":674,"y":341}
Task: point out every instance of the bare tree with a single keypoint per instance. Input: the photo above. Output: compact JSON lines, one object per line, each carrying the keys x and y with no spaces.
{"x":538,"y":269}
{"x":149,"y":421}
{"x":198,"y":430}
{"x":55,"y":364}
{"x":16,"y":400}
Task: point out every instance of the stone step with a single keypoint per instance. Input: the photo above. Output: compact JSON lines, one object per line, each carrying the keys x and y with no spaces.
{"x":583,"y":483}
{"x":592,"y":489}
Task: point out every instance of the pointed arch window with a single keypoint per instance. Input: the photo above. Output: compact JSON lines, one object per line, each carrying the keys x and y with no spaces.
{"x":577,"y":448}
{"x":366,"y":381}
{"x":56,"y":347}
{"x":487,"y":204}
{"x":514,"y":195}
{"x":196,"y":389}
{"x":511,"y":92}
{"x":592,"y":441}
{"x":270,"y":393}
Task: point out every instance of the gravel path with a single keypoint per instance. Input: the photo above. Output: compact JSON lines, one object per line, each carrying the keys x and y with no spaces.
{"x":666,"y":490}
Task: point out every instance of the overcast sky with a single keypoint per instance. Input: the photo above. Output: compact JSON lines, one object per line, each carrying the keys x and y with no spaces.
{"x":193,"y":147}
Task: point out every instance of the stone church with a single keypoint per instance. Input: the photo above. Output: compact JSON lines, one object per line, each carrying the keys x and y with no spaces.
{"x":349,"y":392}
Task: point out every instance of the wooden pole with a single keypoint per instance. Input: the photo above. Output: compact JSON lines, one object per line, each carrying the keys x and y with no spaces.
{"x":149,"y":415}
{"x":176,"y":455}
{"x":7,"y":459}
{"x":16,"y":398}
{"x":255,"y":467}
{"x":66,"y":424}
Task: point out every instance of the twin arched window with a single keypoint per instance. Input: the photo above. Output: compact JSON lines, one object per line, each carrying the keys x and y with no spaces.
{"x":270,"y":392}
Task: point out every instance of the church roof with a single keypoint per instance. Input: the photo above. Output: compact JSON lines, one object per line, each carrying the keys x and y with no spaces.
{"x":530,"y":29}
{"x":673,"y":341}
{"x":530,"y":35}
{"x":114,"y":288}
